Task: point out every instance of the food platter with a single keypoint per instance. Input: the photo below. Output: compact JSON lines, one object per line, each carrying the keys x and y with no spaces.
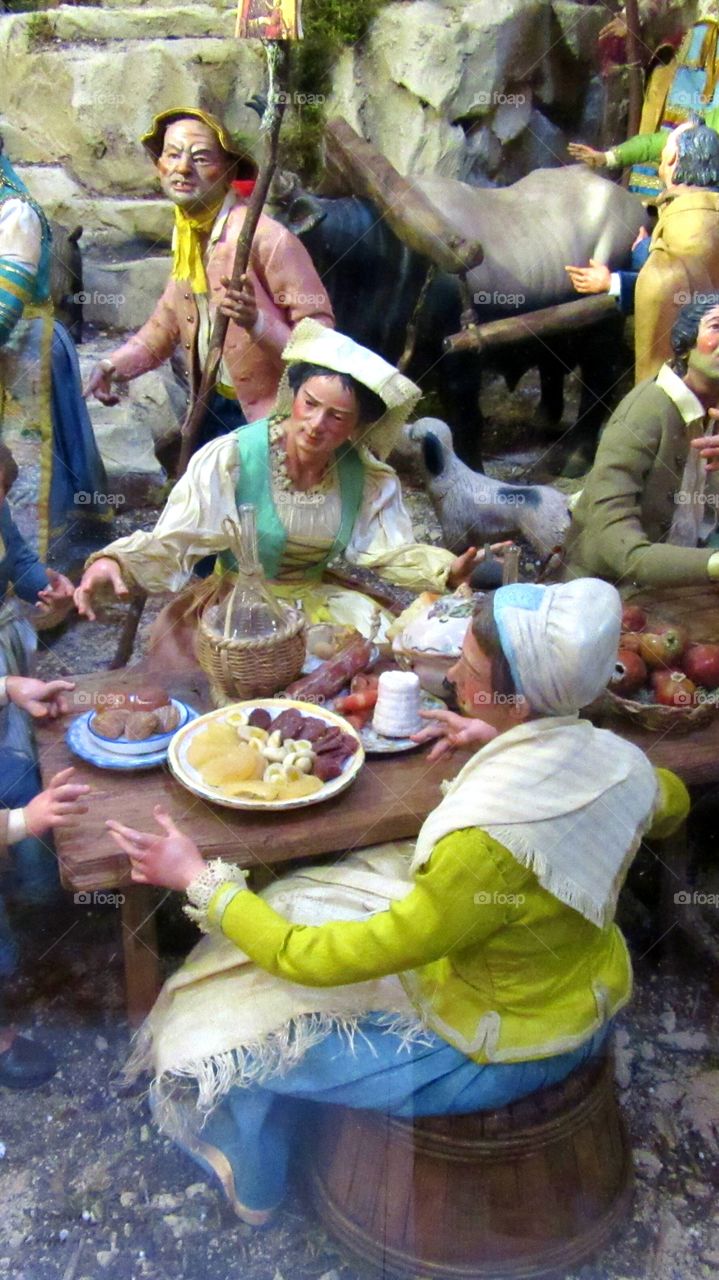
{"x":191,"y":778}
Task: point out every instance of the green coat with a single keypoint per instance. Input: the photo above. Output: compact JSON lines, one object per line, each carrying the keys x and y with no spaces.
{"x":498,"y":966}
{"x":626,"y":508}
{"x":646,"y":148}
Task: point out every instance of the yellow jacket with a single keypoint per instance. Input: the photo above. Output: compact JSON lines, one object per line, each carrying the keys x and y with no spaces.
{"x":495,"y":964}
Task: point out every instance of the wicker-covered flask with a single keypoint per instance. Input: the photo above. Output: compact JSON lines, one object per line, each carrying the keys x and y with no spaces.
{"x":251,"y":611}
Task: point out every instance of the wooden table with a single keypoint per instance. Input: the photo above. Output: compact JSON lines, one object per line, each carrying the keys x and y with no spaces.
{"x":388,"y":801}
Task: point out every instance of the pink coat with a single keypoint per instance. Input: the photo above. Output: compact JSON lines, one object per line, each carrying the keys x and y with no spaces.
{"x":287,"y":288}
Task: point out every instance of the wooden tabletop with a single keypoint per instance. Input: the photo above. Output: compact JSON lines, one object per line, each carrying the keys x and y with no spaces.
{"x":389,"y":799}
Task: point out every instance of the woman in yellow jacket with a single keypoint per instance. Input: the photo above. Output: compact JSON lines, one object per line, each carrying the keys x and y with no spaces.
{"x":460,"y":974}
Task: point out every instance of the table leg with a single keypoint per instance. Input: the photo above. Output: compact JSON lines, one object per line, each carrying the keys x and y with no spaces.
{"x":142,"y":958}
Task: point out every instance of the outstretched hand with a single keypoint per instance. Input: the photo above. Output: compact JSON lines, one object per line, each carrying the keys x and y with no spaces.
{"x":171,"y":860}
{"x":462,"y":567}
{"x":57,"y":806}
{"x":596,"y":278}
{"x":452,"y":731}
{"x":40,"y":698}
{"x":587,"y":155}
{"x":103,"y":571}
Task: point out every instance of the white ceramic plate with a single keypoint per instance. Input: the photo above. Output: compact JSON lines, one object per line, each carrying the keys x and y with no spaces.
{"x":86,"y":745}
{"x":192,"y":779}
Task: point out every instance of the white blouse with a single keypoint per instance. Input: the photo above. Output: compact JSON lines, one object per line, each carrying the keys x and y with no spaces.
{"x":190,"y":527}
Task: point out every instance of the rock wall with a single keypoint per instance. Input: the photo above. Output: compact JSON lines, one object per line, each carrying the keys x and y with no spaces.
{"x":482,"y":90}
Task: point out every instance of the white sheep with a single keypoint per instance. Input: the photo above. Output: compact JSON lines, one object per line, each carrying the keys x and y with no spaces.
{"x":472,"y":508}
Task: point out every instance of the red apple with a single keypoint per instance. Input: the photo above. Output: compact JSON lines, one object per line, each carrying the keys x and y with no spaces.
{"x":630,"y":640}
{"x":673,"y":689}
{"x":663,"y":648}
{"x":629,"y":674}
{"x":701,"y":664}
{"x":633,"y":618}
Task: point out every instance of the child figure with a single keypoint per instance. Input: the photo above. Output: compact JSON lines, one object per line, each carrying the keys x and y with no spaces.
{"x":24,"y":1063}
{"x":35,"y":877}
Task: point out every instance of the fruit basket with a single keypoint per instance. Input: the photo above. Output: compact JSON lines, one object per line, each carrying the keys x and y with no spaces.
{"x":663,"y":681}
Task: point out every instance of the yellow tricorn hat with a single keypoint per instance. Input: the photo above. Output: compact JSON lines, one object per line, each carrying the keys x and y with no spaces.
{"x":153,"y":140}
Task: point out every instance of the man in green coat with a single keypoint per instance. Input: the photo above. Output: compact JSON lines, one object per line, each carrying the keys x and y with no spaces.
{"x":646,"y":516}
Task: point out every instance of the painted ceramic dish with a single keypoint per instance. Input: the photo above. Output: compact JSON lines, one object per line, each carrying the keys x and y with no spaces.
{"x":88,"y":747}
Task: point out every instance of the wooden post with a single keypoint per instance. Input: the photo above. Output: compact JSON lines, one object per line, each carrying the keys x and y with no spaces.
{"x":562,"y":318}
{"x":634,"y":65}
{"x":364,"y":171}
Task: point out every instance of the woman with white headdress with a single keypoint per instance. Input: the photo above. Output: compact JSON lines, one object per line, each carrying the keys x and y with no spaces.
{"x":315,"y":472}
{"x":454,"y":975}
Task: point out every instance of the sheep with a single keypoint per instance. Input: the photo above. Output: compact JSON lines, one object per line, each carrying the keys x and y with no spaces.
{"x":473,"y":508}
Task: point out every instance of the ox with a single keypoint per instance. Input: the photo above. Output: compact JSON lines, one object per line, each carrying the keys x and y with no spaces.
{"x":529,"y":232}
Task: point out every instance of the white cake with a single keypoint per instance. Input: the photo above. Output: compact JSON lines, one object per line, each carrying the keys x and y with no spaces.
{"x":396,"y":714}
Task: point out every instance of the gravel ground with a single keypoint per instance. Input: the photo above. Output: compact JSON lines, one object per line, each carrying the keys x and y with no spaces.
{"x":88,"y":1188}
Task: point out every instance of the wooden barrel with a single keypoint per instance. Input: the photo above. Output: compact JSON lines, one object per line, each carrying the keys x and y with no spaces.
{"x":528,"y":1190}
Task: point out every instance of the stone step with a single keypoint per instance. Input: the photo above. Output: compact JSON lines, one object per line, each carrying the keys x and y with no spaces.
{"x":159,"y":4}
{"x":108,"y":222}
{"x":78,"y":25}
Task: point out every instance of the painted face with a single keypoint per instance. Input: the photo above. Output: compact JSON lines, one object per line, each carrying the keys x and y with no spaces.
{"x":324,"y":415}
{"x":471,"y":677}
{"x":704,"y":356}
{"x":193,"y":168}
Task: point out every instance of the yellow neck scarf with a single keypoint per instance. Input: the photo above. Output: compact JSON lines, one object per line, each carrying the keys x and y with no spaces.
{"x":187,"y":261}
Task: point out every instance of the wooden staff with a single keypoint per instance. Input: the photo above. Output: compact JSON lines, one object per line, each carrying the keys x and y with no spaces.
{"x":634,"y":64}
{"x":208,"y":381}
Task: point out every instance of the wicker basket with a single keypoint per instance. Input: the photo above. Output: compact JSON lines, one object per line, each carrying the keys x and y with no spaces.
{"x":253,"y":668}
{"x":657,"y":718}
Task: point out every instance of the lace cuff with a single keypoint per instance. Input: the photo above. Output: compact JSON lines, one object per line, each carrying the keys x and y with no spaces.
{"x":203,"y":888}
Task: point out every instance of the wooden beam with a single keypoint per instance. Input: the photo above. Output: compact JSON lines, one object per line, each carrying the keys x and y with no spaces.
{"x":562,"y":318}
{"x":365,"y":172}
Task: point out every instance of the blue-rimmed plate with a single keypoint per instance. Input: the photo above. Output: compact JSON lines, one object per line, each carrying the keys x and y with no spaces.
{"x":83,"y":744}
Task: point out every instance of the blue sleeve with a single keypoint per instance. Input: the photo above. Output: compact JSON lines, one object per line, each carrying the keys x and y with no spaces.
{"x":21,"y":566}
{"x":627,"y":285}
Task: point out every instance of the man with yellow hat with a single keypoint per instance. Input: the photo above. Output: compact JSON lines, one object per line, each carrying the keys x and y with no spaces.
{"x":197,"y":162}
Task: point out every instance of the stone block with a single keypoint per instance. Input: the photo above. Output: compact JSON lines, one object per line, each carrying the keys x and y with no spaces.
{"x":121,"y":295}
